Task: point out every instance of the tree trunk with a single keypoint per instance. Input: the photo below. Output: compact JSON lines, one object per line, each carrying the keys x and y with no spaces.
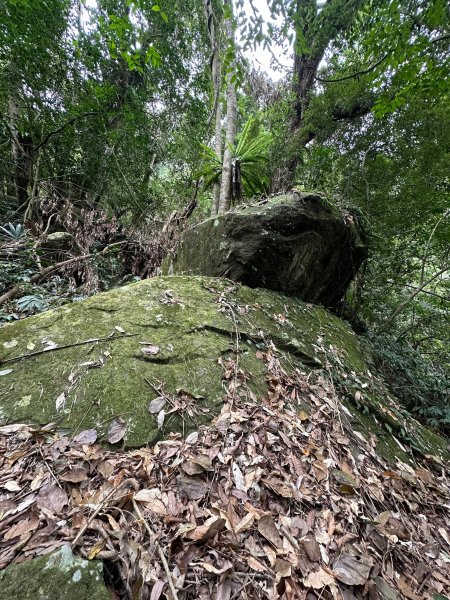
{"x":21,"y":152}
{"x":230,"y":132}
{"x":214,"y":41}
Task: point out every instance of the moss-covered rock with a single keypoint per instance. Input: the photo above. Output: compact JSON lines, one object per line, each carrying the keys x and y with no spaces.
{"x":86,"y":364}
{"x":296,"y":243}
{"x":56,"y":576}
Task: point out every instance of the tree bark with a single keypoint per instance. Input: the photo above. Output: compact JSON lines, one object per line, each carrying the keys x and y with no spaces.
{"x":214,"y":41}
{"x":230,"y":131}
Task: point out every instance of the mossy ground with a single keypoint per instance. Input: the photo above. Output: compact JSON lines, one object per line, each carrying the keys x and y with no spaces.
{"x":82,"y":365}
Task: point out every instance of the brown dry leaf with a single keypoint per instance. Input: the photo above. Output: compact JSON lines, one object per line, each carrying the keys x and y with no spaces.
{"x":157,"y":590}
{"x":406,"y":589}
{"x":216,"y":570}
{"x":318,"y":579}
{"x":116,"y":431}
{"x":156,"y":405}
{"x":206,"y":531}
{"x":267,"y":528}
{"x":254,"y":564}
{"x":22,"y":528}
{"x":280,"y":487}
{"x":153,"y":499}
{"x":311,"y":548}
{"x":192,"y":468}
{"x":75,"y":475}
{"x":192,"y":487}
{"x":52,"y":498}
{"x":106,"y":468}
{"x":320,"y":470}
{"x":282,"y":568}
{"x":353,"y":570}
{"x":88,"y":436}
{"x":38,"y":479}
{"x":238,"y":478}
{"x":245,"y":523}
{"x":224,"y":589}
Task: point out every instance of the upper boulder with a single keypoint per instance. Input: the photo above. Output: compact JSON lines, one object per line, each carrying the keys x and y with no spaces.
{"x":297,"y":243}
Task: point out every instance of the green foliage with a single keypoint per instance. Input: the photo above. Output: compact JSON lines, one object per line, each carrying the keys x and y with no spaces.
{"x":249,"y":163}
{"x":14,"y":232}
{"x":32,"y":304}
{"x":423,"y":388}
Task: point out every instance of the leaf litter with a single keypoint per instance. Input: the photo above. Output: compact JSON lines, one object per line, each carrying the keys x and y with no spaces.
{"x":268,"y":502}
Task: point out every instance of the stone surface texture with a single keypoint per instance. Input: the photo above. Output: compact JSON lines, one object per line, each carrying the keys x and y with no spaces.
{"x":297,"y":244}
{"x":56,"y":576}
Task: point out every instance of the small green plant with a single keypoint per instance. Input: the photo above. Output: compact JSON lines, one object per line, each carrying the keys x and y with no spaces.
{"x":11,"y":231}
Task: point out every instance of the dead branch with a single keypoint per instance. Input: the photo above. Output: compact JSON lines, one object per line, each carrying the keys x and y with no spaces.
{"x":15,"y":291}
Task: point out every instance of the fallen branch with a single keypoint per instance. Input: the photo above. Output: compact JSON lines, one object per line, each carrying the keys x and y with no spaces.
{"x":160,"y":551}
{"x":53,"y":349}
{"x":15,"y":291}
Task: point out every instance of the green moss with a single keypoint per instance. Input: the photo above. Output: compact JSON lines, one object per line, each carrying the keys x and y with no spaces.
{"x":56,"y":576}
{"x":82,"y":365}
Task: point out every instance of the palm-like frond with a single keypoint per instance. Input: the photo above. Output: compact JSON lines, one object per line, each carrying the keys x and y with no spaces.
{"x":250,"y":157}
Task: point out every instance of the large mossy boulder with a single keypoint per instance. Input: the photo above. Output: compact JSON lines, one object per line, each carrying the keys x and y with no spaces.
{"x":297,"y":244}
{"x":56,"y":576}
{"x":101,"y":363}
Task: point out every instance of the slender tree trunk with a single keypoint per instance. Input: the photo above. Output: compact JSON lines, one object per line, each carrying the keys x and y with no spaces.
{"x":230,"y":131}
{"x":21,"y":152}
{"x":214,"y":41}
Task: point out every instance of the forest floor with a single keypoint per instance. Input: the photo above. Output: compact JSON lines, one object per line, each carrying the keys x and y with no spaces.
{"x":264,"y":503}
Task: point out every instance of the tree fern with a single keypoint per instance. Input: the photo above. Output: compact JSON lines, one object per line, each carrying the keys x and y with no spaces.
{"x":249,"y":164}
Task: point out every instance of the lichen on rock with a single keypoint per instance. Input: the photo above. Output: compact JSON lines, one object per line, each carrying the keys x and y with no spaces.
{"x":56,"y":576}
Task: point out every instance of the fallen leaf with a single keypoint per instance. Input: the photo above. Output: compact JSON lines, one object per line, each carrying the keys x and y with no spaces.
{"x":267,"y":528}
{"x":22,"y":528}
{"x":320,"y":470}
{"x":254,"y":564}
{"x":352,"y":570}
{"x":192,"y":487}
{"x":156,"y":405}
{"x":88,"y":436}
{"x":318,"y":579}
{"x":216,"y":570}
{"x":12,"y":486}
{"x":75,"y":475}
{"x":311,"y":547}
{"x":192,"y":438}
{"x":160,"y":419}
{"x":152,"y":499}
{"x":282,"y":568}
{"x":157,"y":589}
{"x":151,"y":350}
{"x":245,"y":523}
{"x":238,"y":478}
{"x":52,"y":498}
{"x":60,"y":401}
{"x":116,"y":431}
